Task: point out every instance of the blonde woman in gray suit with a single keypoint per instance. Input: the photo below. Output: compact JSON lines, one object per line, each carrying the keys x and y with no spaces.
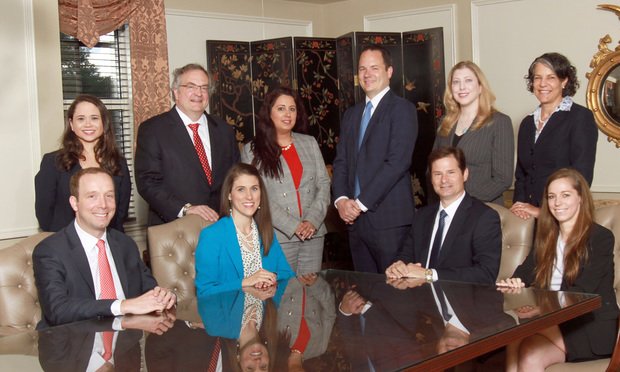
{"x":295,"y":177}
{"x":484,"y":134}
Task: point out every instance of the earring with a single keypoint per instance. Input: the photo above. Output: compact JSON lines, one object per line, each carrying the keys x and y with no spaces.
{"x":258,"y":207}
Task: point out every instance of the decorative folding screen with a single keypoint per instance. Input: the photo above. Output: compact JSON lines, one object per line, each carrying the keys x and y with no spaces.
{"x":324,"y":73}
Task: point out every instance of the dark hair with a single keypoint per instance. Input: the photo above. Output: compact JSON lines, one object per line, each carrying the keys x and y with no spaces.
{"x":262,"y":216}
{"x":561,"y":66}
{"x":265,"y":144}
{"x":453,"y":109}
{"x":385,"y":53}
{"x":107,"y":153}
{"x":74,"y":182}
{"x":178,"y":72}
{"x":548,"y":229}
{"x":445,"y":152}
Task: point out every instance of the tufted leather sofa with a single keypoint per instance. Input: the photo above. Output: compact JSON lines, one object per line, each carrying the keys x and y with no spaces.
{"x":517,"y":238}
{"x":171,"y":248}
{"x":19,"y":305}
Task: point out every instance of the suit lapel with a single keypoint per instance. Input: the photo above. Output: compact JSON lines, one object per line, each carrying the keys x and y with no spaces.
{"x":234,"y":250}
{"x":216,"y":150}
{"x":427,"y":231}
{"x":121,"y":269}
{"x":379,"y":110}
{"x":555,"y":122}
{"x":185,"y":145}
{"x":459,"y":219}
{"x":78,"y":256}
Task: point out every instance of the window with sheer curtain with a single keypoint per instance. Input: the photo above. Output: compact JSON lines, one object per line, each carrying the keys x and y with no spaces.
{"x":105,"y":72}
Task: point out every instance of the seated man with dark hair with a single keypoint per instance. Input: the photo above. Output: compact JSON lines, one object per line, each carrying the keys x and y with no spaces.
{"x":459,"y":238}
{"x":84,"y":271}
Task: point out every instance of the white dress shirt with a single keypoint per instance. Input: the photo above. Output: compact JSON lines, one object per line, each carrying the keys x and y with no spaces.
{"x":89,"y":243}
{"x":450,"y":212}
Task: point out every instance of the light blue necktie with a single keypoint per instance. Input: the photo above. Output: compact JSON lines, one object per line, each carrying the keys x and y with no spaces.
{"x":363,"y":125}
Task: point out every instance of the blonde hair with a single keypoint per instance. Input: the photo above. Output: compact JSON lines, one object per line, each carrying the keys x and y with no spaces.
{"x":453,"y":109}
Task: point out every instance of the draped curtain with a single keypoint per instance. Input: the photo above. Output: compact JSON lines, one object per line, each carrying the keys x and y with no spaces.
{"x":88,"y":19}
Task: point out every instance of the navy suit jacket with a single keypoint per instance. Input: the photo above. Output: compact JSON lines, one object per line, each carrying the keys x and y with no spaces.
{"x":567,"y":140}
{"x":69,"y":348}
{"x":382,"y":162}
{"x":64,"y":281}
{"x":472,"y":248}
{"x":52,"y":193}
{"x":168,"y":170}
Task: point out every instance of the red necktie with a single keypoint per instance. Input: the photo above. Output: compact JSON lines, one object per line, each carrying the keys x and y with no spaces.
{"x":215,"y":356}
{"x":107,"y":292}
{"x":202,"y":155}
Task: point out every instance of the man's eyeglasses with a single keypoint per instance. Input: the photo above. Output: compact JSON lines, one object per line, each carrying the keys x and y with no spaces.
{"x":195,"y":88}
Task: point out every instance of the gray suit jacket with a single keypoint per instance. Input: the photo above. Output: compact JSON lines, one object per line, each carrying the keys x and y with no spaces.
{"x":319,"y":312}
{"x":489,"y":152}
{"x":313,"y":190}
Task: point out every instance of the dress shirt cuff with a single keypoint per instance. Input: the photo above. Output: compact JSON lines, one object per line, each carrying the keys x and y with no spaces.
{"x":117,"y":324}
{"x":362,"y":206}
{"x":367,"y":306}
{"x":116,"y":308}
{"x":339,"y":199}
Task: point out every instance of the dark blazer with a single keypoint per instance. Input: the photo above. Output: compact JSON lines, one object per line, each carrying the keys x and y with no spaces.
{"x":69,"y":348}
{"x":472,"y":248}
{"x":382,"y":162}
{"x":168,"y":171}
{"x":594,"y":332}
{"x":64,"y":281}
{"x":52,"y":193}
{"x":490,"y":158}
{"x":567,"y":140}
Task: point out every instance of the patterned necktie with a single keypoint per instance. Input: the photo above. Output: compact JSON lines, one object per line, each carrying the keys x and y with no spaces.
{"x":202,"y":155}
{"x":215,"y":356}
{"x":437,"y":241}
{"x":107,"y":292}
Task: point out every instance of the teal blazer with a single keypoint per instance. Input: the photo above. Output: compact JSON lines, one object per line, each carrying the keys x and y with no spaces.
{"x":218,"y":259}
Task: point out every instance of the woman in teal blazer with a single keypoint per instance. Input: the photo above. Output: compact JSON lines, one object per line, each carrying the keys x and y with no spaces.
{"x":240,"y":250}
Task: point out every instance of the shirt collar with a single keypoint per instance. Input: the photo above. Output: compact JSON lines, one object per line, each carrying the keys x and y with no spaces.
{"x":376,"y":99}
{"x":186,"y":119}
{"x":565,"y":105}
{"x":451,"y":209}
{"x":88,"y":241}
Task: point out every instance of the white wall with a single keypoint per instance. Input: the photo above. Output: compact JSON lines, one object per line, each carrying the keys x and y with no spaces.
{"x":418,"y":19}
{"x":185,"y":47}
{"x":19,"y":134}
{"x":507,"y":36}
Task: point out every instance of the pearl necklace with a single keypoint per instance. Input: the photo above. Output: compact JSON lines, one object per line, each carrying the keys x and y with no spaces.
{"x":285,"y":148}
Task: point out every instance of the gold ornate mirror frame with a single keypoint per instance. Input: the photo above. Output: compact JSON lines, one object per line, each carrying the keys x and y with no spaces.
{"x":603,"y":93}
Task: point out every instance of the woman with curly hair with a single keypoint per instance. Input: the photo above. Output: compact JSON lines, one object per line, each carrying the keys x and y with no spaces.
{"x":295,"y":176}
{"x":559,"y":133}
{"x":88,"y":141}
{"x":484,"y":134}
{"x":571,"y":253}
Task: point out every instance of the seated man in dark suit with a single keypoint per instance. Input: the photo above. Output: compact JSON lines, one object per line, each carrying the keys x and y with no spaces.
{"x":459,"y":238}
{"x":84,"y":271}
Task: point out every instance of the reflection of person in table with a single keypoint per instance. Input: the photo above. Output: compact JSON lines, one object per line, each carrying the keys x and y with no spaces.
{"x":571,"y":253}
{"x":246,"y":323}
{"x":307,"y":313}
